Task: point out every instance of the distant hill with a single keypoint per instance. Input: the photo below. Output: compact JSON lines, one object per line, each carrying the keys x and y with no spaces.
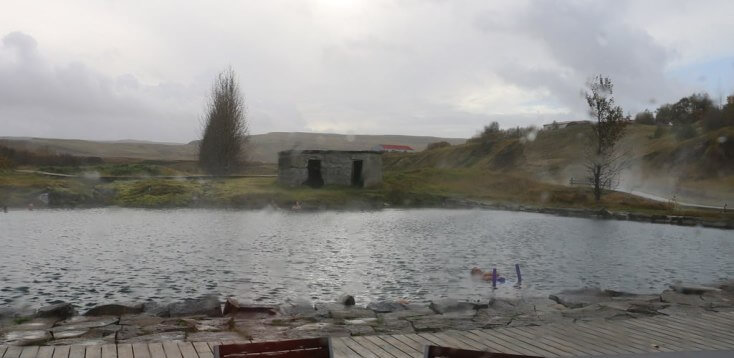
{"x":263,"y":147}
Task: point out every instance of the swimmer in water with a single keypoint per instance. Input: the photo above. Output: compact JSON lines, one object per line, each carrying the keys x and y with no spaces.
{"x":477,"y":273}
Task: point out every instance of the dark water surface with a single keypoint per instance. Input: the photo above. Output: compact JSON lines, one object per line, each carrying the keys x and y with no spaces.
{"x":103,"y":255}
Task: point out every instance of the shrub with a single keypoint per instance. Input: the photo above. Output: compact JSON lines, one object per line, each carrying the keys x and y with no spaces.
{"x":659,"y":132}
{"x":436,"y":145}
{"x":645,"y":117}
{"x":684,"y":131}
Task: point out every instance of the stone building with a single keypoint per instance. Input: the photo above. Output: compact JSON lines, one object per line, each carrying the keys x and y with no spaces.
{"x":316,"y":168}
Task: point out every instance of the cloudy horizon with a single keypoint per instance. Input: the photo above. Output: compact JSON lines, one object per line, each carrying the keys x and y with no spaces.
{"x":112,"y":70}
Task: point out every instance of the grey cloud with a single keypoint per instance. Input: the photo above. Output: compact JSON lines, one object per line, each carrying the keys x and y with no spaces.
{"x":73,"y":100}
{"x":584,"y":39}
{"x":427,"y":68}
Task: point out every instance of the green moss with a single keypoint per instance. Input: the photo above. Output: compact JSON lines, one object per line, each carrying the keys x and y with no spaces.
{"x":21,"y":320}
{"x":156,"y":193}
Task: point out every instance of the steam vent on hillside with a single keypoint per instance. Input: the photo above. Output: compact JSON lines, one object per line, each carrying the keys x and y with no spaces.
{"x":317,"y":168}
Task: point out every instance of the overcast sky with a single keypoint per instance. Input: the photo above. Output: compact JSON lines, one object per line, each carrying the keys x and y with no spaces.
{"x":142,"y":69}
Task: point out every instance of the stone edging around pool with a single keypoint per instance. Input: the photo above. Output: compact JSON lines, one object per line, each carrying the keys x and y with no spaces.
{"x":204,"y":319}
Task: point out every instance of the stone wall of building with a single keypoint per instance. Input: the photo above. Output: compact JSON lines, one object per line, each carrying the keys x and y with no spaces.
{"x":336,"y":166}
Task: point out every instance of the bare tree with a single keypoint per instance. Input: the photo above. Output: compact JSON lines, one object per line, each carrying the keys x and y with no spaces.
{"x":604,"y":159}
{"x":225,"y":131}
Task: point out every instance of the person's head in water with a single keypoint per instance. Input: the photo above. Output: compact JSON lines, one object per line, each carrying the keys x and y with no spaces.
{"x":476,"y":271}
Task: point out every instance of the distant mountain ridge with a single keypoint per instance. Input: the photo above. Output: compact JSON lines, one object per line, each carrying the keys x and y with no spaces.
{"x":262,"y":147}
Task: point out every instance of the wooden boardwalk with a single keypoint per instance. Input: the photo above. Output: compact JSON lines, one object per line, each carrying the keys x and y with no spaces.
{"x":710,"y":331}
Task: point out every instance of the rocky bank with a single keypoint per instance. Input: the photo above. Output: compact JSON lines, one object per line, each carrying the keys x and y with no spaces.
{"x":208,"y":319}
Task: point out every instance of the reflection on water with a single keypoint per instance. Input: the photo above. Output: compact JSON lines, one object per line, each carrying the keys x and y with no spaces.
{"x":102,"y":255}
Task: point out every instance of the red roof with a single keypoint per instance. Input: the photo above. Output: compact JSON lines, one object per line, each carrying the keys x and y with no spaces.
{"x":395,"y":147}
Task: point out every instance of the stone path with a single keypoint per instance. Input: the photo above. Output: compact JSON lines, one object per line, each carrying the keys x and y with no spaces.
{"x":712,"y":331}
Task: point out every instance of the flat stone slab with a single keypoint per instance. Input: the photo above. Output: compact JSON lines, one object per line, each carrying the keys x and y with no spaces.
{"x":440,"y":322}
{"x":27,"y":338}
{"x":206,"y":305}
{"x":214,"y":336}
{"x":349,"y":312}
{"x":115,"y":309}
{"x":394,"y":326}
{"x":451,"y":305}
{"x":60,"y":310}
{"x":597,"y":312}
{"x":385,"y":306}
{"x":84,"y":341}
{"x":671,"y":296}
{"x":210,"y":325}
{"x":318,"y":330}
{"x":411,"y":312}
{"x":69,"y":334}
{"x":84,"y":322}
{"x":157,"y":337}
{"x":693,"y":289}
{"x":582,"y":297}
{"x":36,"y":324}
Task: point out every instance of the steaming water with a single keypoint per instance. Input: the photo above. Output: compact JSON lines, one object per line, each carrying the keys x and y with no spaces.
{"x":109,"y":255}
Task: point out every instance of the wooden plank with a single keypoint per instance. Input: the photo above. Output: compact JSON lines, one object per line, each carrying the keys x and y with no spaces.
{"x":187,"y":350}
{"x":619,"y":340}
{"x":140,"y":350}
{"x":706,"y":328}
{"x":211,"y":345}
{"x":29,"y":352}
{"x":491,"y":346}
{"x":560,"y":346}
{"x":13,"y":352}
{"x":387,"y":347}
{"x":574,"y":341}
{"x":341,"y":349}
{"x":203,"y":350}
{"x":171,"y":349}
{"x":418,"y":346}
{"x":459,"y":337}
{"x":453,"y":342}
{"x":109,"y":351}
{"x":77,"y":351}
{"x":125,"y":350}
{"x":377,"y":350}
{"x":487,"y":339}
{"x":61,"y":352}
{"x":706,"y":323}
{"x":477,"y":346}
{"x":155,"y":349}
{"x":422,"y":340}
{"x":581,"y":340}
{"x":543,"y":339}
{"x":93,"y":351}
{"x":726,"y":333}
{"x":623,"y":335}
{"x":682,"y":340}
{"x":358,"y":348}
{"x":655,"y":337}
{"x":709,"y":339}
{"x":43,"y":352}
{"x":655,"y":343}
{"x":530,"y":349}
{"x":408,"y":349}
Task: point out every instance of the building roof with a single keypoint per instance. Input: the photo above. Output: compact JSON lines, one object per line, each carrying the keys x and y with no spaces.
{"x":395,"y":147}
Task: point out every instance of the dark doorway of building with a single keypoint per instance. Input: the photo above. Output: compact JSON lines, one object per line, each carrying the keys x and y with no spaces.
{"x":357,"y":179}
{"x":315,"y":180}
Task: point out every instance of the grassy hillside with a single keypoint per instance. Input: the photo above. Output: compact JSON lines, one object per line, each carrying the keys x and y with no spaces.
{"x":262,"y":147}
{"x":700,"y":169}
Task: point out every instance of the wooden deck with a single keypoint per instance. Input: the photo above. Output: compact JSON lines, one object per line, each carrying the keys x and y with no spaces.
{"x":711,"y":331}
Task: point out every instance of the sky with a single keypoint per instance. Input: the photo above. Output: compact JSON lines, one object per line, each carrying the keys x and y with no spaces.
{"x":114,"y":69}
